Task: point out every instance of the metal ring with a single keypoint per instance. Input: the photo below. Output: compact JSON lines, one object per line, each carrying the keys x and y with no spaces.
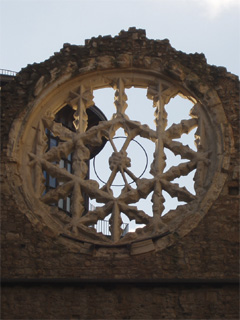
{"x":122,"y":185}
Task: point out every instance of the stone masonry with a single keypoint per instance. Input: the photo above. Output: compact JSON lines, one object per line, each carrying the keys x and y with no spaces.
{"x":189,"y":272}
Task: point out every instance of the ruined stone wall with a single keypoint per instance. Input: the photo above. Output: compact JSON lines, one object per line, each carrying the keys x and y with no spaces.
{"x":121,"y":301}
{"x":194,"y":277}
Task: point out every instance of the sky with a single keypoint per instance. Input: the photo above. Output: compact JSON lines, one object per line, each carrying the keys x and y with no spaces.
{"x":32,"y":30}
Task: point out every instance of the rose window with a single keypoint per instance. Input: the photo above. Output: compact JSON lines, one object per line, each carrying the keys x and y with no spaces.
{"x":74,"y":187}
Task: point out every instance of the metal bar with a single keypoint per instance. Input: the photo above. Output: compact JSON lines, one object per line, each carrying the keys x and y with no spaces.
{"x":8,"y":72}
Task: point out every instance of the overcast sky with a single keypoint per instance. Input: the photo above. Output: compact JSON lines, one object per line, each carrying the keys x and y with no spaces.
{"x":32,"y":30}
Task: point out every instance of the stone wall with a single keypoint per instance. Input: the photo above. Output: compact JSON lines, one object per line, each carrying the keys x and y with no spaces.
{"x":46,"y":277}
{"x":120,"y":301}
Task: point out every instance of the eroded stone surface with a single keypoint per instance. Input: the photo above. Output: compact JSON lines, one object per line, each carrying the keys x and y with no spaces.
{"x":163,"y":80}
{"x":202,"y":244}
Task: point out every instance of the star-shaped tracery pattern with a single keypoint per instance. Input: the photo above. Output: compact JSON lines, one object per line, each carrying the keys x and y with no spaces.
{"x":77,"y":143}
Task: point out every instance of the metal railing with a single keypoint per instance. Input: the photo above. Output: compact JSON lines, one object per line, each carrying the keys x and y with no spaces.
{"x":102,"y":226}
{"x":8,"y":72}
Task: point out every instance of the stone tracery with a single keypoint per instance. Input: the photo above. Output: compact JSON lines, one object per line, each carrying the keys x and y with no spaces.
{"x":70,"y":78}
{"x":76,"y":142}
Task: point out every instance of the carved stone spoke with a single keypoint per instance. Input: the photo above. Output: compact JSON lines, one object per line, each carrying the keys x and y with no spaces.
{"x":57,"y":129}
{"x":59,"y":152}
{"x":182,"y":169}
{"x":179,"y":149}
{"x":77,"y":206}
{"x":111,"y":178}
{"x":158,"y":200}
{"x":175,"y":191}
{"x":159,"y":155}
{"x":61,"y":192}
{"x":185,"y":126}
{"x":135,"y":214}
{"x":92,"y":217}
{"x":120,"y":97}
{"x":131,"y":175}
{"x":80,"y":100}
{"x":115,"y":223}
{"x":53,"y":169}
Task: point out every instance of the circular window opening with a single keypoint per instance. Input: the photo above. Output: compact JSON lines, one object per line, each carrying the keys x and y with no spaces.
{"x":148,"y":167}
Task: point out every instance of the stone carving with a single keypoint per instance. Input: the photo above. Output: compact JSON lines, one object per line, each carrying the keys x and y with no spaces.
{"x":163,"y":79}
{"x":75,"y":183}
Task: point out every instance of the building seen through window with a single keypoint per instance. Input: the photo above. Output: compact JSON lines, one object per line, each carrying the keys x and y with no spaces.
{"x":66,"y":117}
